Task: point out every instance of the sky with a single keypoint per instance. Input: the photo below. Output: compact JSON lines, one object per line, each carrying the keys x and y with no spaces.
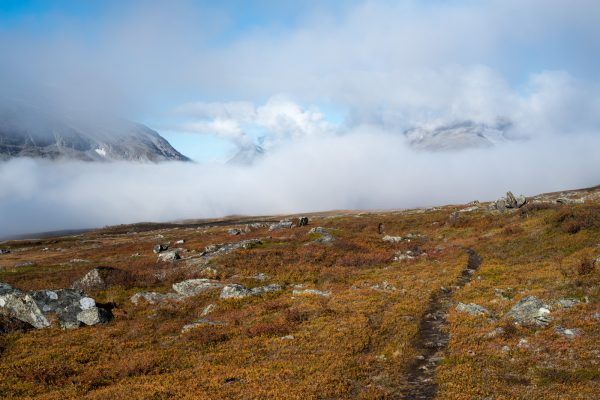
{"x":341,"y":80}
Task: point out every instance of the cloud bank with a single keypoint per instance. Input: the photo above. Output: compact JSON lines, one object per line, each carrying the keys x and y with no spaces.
{"x":207,"y":69}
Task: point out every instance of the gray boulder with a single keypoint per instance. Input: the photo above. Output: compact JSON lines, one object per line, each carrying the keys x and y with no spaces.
{"x":325,"y":236}
{"x":169,"y":256}
{"x":530,"y":311}
{"x":99,"y":278}
{"x":235,"y":291}
{"x":159,"y":248}
{"x":472,"y":309}
{"x":22,"y":306}
{"x":281,"y":225}
{"x":193,"y":287}
{"x":94,"y":316}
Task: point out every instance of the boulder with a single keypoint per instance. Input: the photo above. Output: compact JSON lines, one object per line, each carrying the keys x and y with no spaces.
{"x":192,"y":287}
{"x":169,"y":256}
{"x":281,"y":225}
{"x":22,"y":306}
{"x":302,"y":221}
{"x":159,"y":248}
{"x":235,"y":291}
{"x":94,"y":316}
{"x":472,"y":309}
{"x":34,"y":307}
{"x":4,"y":251}
{"x":530,"y":311}
{"x":99,"y":278}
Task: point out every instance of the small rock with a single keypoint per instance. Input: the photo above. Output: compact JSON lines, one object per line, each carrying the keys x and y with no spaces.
{"x":4,"y":251}
{"x":567,"y":303}
{"x":302,"y":221}
{"x":235,"y":291}
{"x":261,"y":277}
{"x":505,"y":349}
{"x":569,"y":333}
{"x":24,"y":264}
{"x":180,"y":241}
{"x":381,"y":228}
{"x":287,"y":337}
{"x":169,"y":256}
{"x":530,"y":311}
{"x":94,"y":316}
{"x":472,"y":309}
{"x":193,"y":287}
{"x":199,"y":323}
{"x":208,"y":309}
{"x":159,"y":248}
{"x":234,"y":231}
{"x":311,"y":292}
{"x":87,"y":303}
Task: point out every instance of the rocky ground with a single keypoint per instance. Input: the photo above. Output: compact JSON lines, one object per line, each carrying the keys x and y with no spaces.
{"x":480,"y":301}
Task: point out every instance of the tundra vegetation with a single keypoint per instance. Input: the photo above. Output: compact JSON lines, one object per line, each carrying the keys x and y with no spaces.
{"x":344,"y":318}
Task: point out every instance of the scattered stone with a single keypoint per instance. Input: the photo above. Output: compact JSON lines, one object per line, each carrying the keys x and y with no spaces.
{"x":99,"y":278}
{"x":468,"y":209}
{"x":530,"y":311}
{"x":261,"y":277}
{"x":234,"y":231}
{"x":284,"y":224}
{"x":25,"y":264}
{"x":193,"y":287}
{"x":78,"y":260}
{"x":208,"y":309}
{"x":505,"y":293}
{"x":566,"y":200}
{"x":314,"y":292}
{"x":567,"y":303}
{"x":472,"y":309}
{"x":94,"y":316}
{"x":409,"y":237}
{"x":568,"y":333}
{"x":4,"y":251}
{"x":385,"y":286}
{"x":302,"y":221}
{"x":159,"y":248}
{"x":199,"y":323}
{"x":287,"y":337}
{"x":153,"y":297}
{"x":169,"y":256}
{"x":408,"y":255}
{"x":505,"y":349}
{"x":523,"y":343}
{"x":325,"y":236}
{"x":235,"y":291}
{"x":180,"y":241}
{"x":392,"y":239}
{"x":495,"y":333}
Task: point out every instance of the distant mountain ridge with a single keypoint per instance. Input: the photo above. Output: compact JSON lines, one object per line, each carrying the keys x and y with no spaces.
{"x":458,"y":135}
{"x":28,"y":131}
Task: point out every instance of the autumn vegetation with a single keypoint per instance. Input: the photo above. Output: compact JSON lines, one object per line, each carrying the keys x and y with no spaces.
{"x":356,"y":343}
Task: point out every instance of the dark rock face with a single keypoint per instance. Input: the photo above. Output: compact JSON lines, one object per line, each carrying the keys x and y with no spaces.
{"x":27,"y":131}
{"x":10,"y":324}
{"x":302,"y":221}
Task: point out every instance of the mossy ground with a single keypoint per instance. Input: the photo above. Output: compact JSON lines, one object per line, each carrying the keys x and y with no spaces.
{"x":357,"y":343}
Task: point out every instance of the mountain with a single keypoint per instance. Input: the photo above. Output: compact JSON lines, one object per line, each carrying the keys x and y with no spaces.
{"x":28,"y":131}
{"x":457,"y":136}
{"x":247,"y":155}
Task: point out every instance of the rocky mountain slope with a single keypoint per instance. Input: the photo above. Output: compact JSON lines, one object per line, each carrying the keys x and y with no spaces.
{"x":493,"y":300}
{"x":28,"y":131}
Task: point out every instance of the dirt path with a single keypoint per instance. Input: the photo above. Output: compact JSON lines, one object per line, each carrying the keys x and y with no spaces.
{"x":432,"y":338}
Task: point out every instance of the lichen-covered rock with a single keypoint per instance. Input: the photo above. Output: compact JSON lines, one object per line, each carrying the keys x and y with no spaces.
{"x":94,"y":316}
{"x":235,"y":291}
{"x":281,"y":225}
{"x":34,"y":307}
{"x":99,"y":278}
{"x":153,"y":297}
{"x":169,"y":256}
{"x":472,"y":309}
{"x":325,"y":236}
{"x":530,"y":311}
{"x":192,"y":287}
